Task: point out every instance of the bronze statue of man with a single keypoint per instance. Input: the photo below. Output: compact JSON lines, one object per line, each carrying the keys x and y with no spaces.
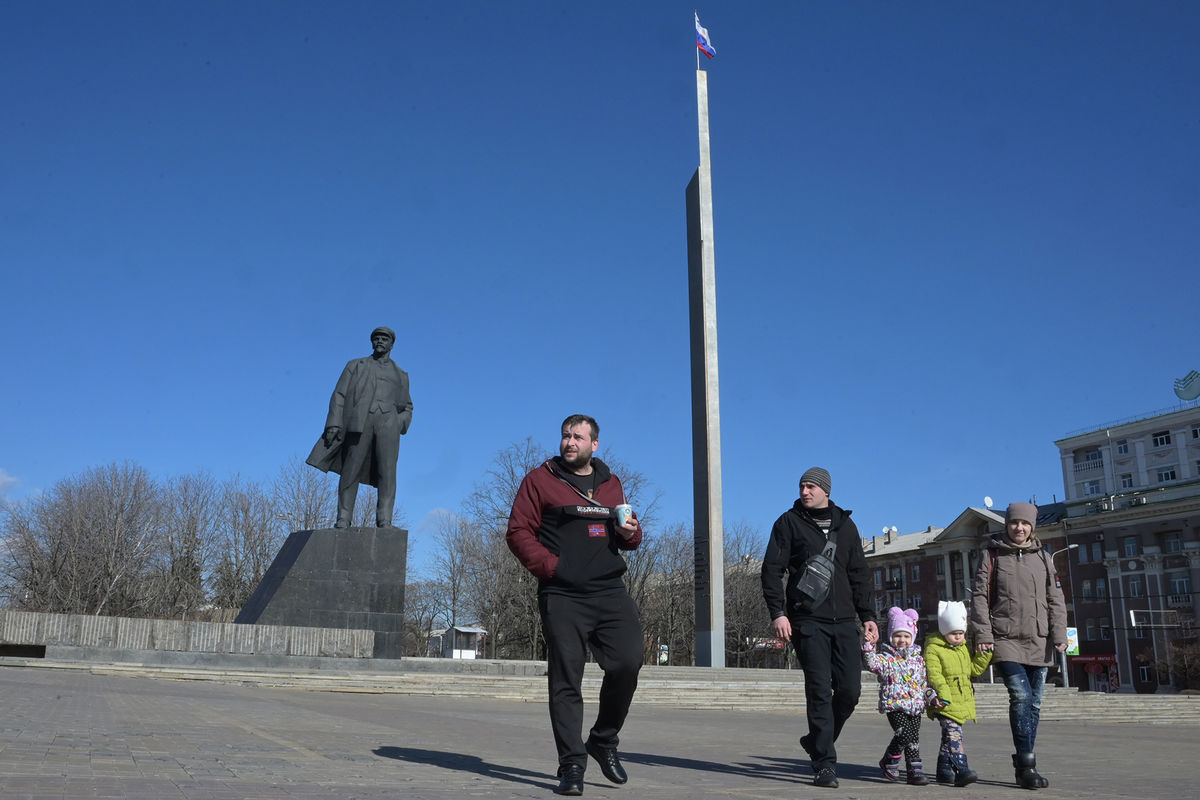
{"x":369,"y":410}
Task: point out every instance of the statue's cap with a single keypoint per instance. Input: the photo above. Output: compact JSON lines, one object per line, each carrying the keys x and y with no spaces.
{"x":381,"y":329}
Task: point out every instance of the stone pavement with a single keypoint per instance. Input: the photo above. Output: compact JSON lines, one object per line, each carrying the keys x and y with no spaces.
{"x":75,"y":734}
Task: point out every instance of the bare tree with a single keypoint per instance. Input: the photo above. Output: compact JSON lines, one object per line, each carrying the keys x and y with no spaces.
{"x":745,"y":617}
{"x":86,"y":545}
{"x":667,"y":595}
{"x":503,"y":594}
{"x":455,"y":541}
{"x":186,"y":546}
{"x":303,"y":497}
{"x":421,"y":609}
{"x":249,"y":535}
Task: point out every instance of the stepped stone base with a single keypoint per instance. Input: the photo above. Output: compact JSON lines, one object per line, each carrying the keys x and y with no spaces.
{"x":350,"y":578}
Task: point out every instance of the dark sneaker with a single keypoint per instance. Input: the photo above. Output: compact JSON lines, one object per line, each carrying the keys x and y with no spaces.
{"x":826,"y":778}
{"x":570,"y":780}
{"x":610,"y":763}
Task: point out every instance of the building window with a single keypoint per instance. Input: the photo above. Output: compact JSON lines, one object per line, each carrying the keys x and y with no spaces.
{"x":1097,"y":551}
{"x":878,"y":579}
{"x":940,"y":567}
{"x":1139,"y":632}
{"x":1180,"y":582}
{"x":1136,"y":587}
{"x":896,"y":576}
{"x":1129,"y":546}
{"x":1123,"y":446}
{"x":1196,"y":431}
{"x":916,"y":603}
{"x":1172,"y":543}
{"x":1091,"y":630}
{"x":1144,"y":674}
{"x":1105,"y":629}
{"x":1101,"y":590}
{"x":1166,"y":474}
{"x":1161,"y":439}
{"x":1083,"y":554}
{"x":942,"y":594}
{"x":916,"y":572}
{"x":1092,"y":457}
{"x":1126,"y":480}
{"x":1085,"y":590}
{"x":1091,"y":487}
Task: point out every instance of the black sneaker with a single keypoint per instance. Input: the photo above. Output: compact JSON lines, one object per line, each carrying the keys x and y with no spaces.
{"x":570,"y":781}
{"x":826,"y":778}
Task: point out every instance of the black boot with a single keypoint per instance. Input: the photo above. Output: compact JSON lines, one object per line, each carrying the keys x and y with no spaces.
{"x":962,"y":773}
{"x":1025,"y":765}
{"x":916,"y":772}
{"x":945,"y":772}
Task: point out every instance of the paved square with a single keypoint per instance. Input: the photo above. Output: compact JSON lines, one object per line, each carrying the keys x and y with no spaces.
{"x":73,"y":734}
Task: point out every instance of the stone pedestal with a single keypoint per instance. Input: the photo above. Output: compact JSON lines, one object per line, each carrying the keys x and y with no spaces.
{"x":349,"y":578}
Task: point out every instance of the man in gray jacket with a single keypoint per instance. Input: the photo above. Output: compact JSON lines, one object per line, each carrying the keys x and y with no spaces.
{"x":1018,"y":610}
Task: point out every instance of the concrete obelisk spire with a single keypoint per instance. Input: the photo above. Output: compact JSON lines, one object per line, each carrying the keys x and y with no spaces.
{"x":706,"y":413}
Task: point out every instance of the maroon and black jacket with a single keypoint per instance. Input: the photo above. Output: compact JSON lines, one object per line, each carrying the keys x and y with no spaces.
{"x":564,"y":539}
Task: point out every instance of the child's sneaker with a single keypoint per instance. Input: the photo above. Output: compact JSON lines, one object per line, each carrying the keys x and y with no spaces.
{"x":890,"y":765}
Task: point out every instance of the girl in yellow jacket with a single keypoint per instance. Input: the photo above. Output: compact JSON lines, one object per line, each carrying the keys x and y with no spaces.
{"x":949,"y":668}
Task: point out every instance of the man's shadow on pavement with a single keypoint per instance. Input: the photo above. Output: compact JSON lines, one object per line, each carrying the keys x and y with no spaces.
{"x":786,"y":770}
{"x":463,"y":762}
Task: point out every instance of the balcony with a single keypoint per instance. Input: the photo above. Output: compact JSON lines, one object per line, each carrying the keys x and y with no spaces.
{"x":1180,"y":600}
{"x":1090,"y":465}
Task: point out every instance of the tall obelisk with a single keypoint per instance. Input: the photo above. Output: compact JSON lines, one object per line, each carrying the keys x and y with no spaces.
{"x":706,"y":413}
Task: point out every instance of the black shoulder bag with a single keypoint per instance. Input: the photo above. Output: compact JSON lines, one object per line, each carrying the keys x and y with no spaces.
{"x":816,"y":579}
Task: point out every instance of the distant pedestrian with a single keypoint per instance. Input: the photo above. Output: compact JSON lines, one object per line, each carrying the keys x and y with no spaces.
{"x":949,"y":668}
{"x":824,"y":631}
{"x":902,"y":691}
{"x":1018,"y":610}
{"x":568,"y":526}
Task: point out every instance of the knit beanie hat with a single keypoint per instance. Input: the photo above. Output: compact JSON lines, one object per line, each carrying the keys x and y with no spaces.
{"x":902,"y":620}
{"x":952,"y":616}
{"x":1025,"y":512}
{"x":817,"y":476}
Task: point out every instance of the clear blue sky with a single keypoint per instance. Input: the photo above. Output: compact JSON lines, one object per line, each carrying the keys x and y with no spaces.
{"x":946,"y":235}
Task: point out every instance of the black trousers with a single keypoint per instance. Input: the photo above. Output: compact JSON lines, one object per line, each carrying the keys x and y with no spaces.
{"x":830,"y":654}
{"x":611,"y":626}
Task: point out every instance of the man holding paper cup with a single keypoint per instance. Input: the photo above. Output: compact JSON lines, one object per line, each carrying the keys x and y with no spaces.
{"x":568,"y":524}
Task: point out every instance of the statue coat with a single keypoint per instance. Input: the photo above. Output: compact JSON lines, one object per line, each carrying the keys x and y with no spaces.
{"x":348,"y":408}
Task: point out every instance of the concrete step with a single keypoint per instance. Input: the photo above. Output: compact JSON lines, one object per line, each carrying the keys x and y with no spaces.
{"x":684,"y":687}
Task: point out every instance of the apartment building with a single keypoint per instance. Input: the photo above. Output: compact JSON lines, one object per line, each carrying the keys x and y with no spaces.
{"x":1133,"y":509}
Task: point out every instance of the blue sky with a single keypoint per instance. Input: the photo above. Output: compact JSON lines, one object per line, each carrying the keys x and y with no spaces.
{"x":947,"y":234}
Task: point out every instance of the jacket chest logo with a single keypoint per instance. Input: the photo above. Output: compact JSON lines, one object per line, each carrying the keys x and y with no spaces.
{"x":596,"y":529}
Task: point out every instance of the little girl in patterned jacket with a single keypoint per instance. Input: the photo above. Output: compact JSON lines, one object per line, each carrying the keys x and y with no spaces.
{"x":902,"y":693}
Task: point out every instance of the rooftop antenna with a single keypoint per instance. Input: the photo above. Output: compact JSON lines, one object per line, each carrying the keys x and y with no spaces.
{"x":987,"y":501}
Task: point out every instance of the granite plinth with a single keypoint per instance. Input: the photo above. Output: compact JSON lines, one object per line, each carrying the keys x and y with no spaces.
{"x":337,"y":578}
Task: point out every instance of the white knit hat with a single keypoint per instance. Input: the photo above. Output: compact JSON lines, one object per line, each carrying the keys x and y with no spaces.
{"x":952,"y":616}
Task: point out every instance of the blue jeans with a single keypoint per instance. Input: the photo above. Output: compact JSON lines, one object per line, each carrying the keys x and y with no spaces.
{"x":1025,"y":684}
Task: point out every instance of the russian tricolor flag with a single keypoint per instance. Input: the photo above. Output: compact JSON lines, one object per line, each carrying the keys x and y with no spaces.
{"x":702,"y":40}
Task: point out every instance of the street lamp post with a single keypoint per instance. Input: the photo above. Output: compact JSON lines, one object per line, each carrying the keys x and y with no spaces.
{"x":1063,"y":654}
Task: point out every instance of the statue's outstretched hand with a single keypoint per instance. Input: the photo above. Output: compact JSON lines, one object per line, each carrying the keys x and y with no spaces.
{"x":333,"y":434}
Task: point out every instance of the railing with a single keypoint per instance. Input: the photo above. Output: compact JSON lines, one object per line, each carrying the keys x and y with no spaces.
{"x":1134,"y":418}
{"x":1180,"y":600}
{"x":1089,"y":465}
